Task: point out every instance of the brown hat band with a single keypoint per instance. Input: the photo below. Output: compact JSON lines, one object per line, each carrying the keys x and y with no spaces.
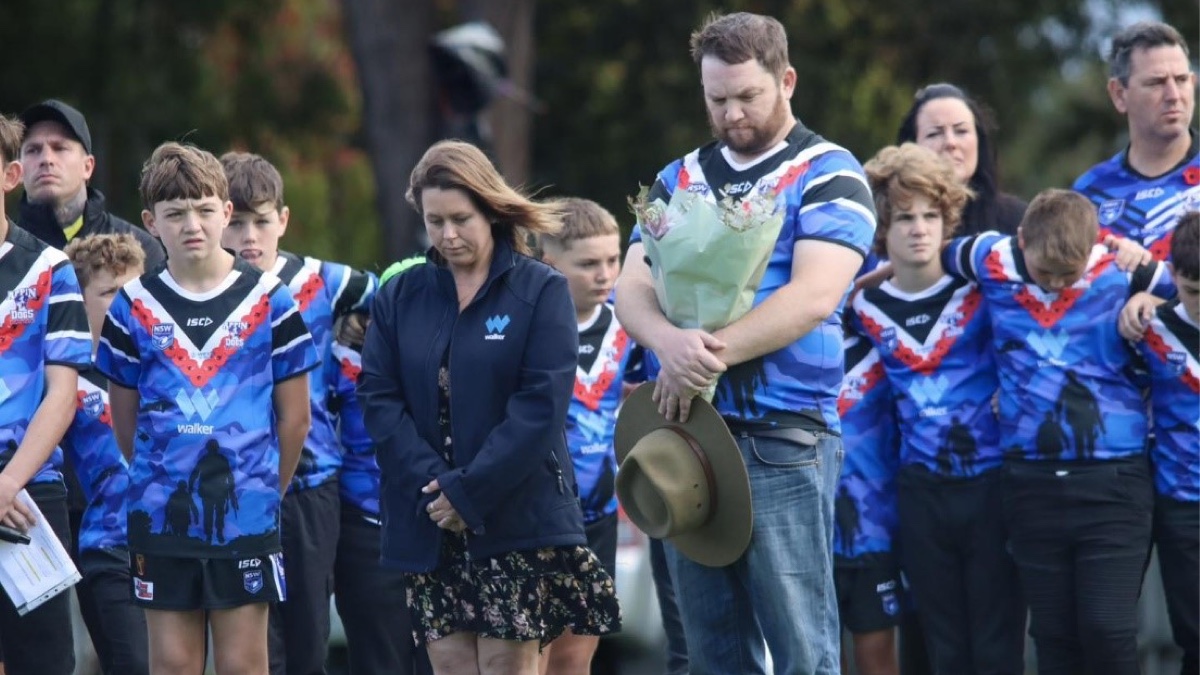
{"x":702,"y":458}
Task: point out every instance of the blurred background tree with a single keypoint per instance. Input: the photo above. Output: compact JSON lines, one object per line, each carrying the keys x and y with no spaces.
{"x":600,"y":94}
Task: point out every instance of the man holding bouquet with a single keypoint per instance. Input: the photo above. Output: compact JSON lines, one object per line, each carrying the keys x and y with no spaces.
{"x":736,"y":274}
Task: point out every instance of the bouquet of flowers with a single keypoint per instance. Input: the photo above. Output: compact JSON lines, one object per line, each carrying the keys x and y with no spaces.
{"x":707,"y":256}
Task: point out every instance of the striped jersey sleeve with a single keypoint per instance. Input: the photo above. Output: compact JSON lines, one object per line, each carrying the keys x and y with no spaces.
{"x":292,"y":349}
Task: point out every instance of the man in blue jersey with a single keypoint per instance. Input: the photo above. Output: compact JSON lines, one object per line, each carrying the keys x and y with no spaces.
{"x":1078,"y":508}
{"x":43,"y":346}
{"x":104,"y":263}
{"x":588,"y":252}
{"x":1141,"y":191}
{"x":780,"y":365}
{"x":866,"y":570}
{"x":934,"y":338}
{"x":324,"y":291}
{"x":1169,"y":346}
{"x":208,"y":362}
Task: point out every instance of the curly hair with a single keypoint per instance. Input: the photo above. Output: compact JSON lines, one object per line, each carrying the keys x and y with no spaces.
{"x":113,"y":253}
{"x":897,"y":174}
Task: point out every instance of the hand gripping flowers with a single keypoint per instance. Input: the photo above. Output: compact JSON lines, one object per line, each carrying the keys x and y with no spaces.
{"x":707,"y":256}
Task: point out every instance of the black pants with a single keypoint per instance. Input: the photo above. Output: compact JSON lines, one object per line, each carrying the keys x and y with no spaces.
{"x":964,"y":583}
{"x":1177,"y":536}
{"x":40,"y":643}
{"x":1080,"y":534}
{"x":116,"y":625}
{"x":677,"y":654}
{"x":370,"y":601}
{"x":299,"y":626}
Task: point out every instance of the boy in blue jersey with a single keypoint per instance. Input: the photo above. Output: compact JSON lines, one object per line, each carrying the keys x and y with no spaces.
{"x":1169,"y":348}
{"x":324,"y":291}
{"x":866,"y":571}
{"x":208,"y":362}
{"x":370,"y":598}
{"x":588,"y":253}
{"x":1077,"y":487}
{"x":934,"y":340}
{"x":43,"y":346}
{"x":104,"y":263}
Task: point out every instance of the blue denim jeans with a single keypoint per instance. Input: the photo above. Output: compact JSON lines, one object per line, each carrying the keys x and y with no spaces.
{"x":781,"y":590}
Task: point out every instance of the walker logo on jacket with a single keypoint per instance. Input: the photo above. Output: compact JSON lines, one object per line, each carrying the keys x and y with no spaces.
{"x":495,"y":327}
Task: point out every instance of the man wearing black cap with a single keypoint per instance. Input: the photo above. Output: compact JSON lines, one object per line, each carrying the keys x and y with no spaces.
{"x":58,"y":206}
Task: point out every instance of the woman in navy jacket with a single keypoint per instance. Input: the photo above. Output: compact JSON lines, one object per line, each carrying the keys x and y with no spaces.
{"x":468,"y":368}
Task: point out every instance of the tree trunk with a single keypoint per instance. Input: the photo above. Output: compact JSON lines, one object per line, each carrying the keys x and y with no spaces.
{"x":388,"y":40}
{"x":511,"y":121}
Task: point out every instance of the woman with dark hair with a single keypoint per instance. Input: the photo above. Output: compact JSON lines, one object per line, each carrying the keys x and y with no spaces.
{"x":468,"y":367}
{"x":946,"y":120}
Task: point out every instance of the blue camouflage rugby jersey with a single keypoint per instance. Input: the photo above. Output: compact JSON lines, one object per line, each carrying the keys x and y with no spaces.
{"x":604,"y":351}
{"x":936,"y":347}
{"x":1143,"y":209}
{"x":43,"y":323}
{"x":1067,"y":381}
{"x":827,"y":199}
{"x":1169,"y":350}
{"x":324,"y":292}
{"x":91,"y":450}
{"x":204,"y":479}
{"x":358,"y":483}
{"x":865,"y":516}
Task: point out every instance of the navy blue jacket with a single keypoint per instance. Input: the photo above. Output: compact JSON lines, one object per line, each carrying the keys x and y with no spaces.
{"x":513,"y":352}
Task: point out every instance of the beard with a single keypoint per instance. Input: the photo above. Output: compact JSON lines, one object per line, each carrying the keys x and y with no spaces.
{"x":755,"y":140}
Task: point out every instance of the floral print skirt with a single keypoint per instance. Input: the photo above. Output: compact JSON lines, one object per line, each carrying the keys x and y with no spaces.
{"x":522,"y":595}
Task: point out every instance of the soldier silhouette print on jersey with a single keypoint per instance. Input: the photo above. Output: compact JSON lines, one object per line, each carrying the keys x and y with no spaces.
{"x":936,"y":349}
{"x":1051,"y":439}
{"x":1077,"y":406}
{"x":204,"y":478}
{"x":217,"y":491}
{"x":959,"y":446}
{"x":181,"y":512}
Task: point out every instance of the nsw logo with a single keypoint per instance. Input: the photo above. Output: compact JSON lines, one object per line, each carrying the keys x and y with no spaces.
{"x":1177,"y":361}
{"x":887,"y":338}
{"x":495,"y":327}
{"x":929,"y":391}
{"x":1049,"y":345}
{"x":1110,"y":210}
{"x":162,"y":335}
{"x":93,"y":404}
{"x":252,"y":581}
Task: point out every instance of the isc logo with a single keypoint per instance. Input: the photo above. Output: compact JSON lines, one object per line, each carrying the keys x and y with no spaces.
{"x":249,"y":563}
{"x":200,"y":321}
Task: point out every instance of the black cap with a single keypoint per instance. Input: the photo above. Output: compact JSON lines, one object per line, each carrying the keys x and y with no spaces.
{"x":53,"y":110}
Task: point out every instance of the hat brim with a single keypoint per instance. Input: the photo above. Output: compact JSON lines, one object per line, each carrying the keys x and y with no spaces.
{"x":45,"y":112}
{"x":723,"y":539}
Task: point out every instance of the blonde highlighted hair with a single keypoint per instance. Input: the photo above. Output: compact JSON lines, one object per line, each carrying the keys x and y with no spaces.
{"x":581,"y":219}
{"x":1061,"y":226}
{"x":455,"y":165}
{"x":112,"y":253}
{"x":898,"y":174}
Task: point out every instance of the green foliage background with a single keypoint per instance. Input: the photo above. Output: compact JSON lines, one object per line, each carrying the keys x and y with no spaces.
{"x":621,"y":95}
